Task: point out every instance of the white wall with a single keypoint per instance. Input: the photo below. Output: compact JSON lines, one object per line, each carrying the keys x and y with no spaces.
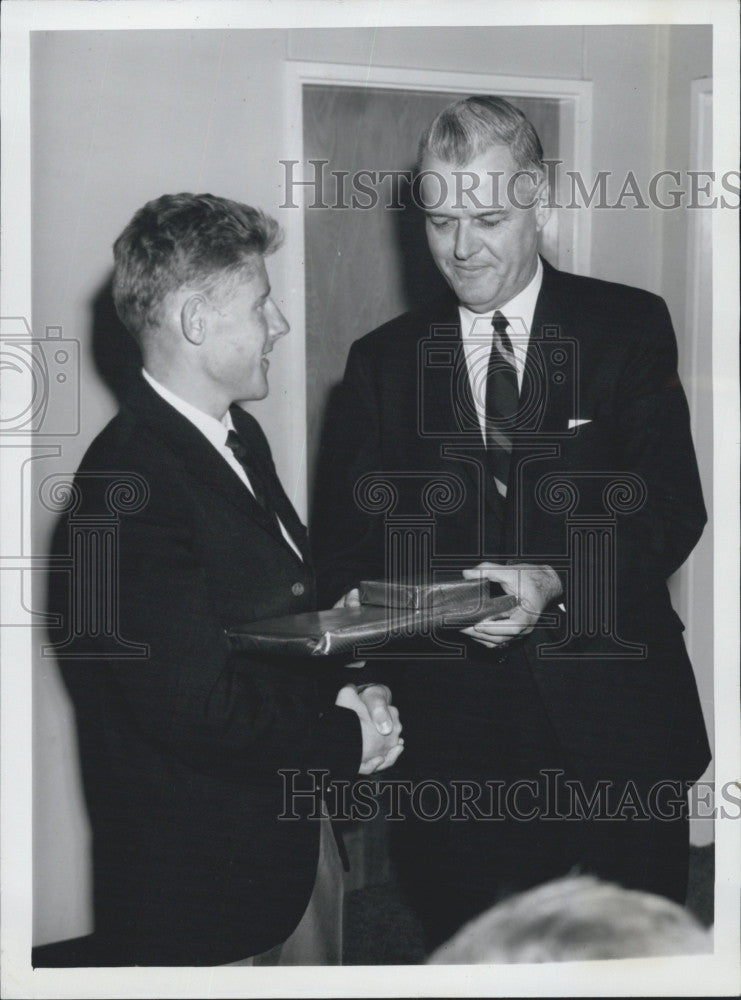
{"x":121,"y":117}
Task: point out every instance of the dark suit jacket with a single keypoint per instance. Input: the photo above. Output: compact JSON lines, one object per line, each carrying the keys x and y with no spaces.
{"x":180,"y":749}
{"x":626,"y":479}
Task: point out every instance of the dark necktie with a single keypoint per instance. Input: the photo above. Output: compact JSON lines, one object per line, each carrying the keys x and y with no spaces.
{"x":502,"y":397}
{"x":260,"y":489}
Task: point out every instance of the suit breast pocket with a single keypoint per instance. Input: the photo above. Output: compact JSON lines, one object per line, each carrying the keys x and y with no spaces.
{"x":590,"y":447}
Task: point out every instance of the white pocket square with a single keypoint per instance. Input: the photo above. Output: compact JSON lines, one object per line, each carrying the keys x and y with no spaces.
{"x":578,"y":423}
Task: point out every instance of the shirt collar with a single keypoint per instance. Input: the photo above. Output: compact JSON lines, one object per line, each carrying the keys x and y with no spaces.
{"x":214,"y":430}
{"x":519,"y":311}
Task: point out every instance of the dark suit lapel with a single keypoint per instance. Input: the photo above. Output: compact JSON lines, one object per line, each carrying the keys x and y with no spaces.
{"x":201,"y":459}
{"x":549,"y":395}
{"x":551,"y":367}
{"x":449,"y":406}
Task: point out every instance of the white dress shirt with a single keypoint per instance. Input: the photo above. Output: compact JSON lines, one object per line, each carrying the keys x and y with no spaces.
{"x":216,"y":432}
{"x":477,"y":334}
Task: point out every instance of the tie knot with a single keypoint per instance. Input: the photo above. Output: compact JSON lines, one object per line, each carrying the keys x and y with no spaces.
{"x":499,"y":322}
{"x":235,"y":442}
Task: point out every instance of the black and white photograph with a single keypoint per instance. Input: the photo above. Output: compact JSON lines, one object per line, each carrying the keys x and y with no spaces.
{"x":369,"y":440}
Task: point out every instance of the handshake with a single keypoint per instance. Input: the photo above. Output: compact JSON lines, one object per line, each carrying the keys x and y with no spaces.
{"x":379,"y":724}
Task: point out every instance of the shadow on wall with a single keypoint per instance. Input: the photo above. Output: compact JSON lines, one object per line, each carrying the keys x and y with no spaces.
{"x":115,"y":352}
{"x":117,"y":361}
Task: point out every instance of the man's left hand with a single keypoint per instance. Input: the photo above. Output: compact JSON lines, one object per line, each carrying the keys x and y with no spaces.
{"x":535,"y":587}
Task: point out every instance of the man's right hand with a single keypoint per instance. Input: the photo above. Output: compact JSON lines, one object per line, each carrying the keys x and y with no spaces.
{"x":379,"y":751}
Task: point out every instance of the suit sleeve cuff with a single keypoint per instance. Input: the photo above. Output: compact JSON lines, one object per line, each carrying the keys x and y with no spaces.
{"x":339,"y":748}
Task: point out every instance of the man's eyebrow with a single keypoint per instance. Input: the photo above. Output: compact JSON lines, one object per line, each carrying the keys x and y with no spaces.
{"x":483,"y":213}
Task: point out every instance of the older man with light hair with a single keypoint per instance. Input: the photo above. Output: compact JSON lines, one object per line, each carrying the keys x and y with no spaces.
{"x":568,"y":733}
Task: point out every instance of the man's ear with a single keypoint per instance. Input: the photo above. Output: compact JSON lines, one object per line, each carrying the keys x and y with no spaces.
{"x":542,"y":203}
{"x":193,"y":318}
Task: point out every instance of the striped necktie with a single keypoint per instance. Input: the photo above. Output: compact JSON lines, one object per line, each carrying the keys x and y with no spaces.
{"x":502,"y":397}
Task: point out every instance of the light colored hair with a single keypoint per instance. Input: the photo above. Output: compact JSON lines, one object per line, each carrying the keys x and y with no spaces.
{"x":185,"y":239}
{"x":574,"y":919}
{"x":469,"y":127}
